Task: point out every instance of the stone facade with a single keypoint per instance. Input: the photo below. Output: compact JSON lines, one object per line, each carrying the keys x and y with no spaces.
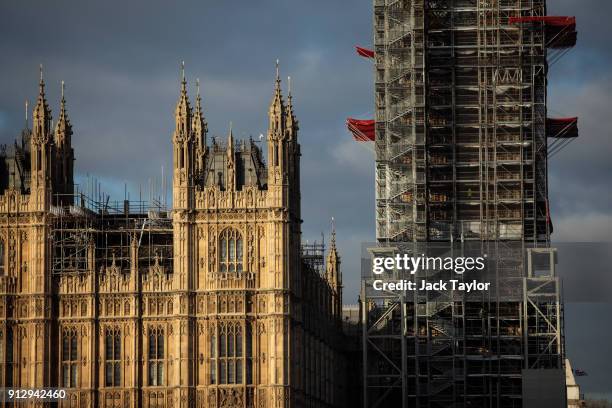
{"x":209,"y":305}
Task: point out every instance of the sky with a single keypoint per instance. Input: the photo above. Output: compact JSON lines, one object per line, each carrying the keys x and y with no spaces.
{"x":121,"y":59}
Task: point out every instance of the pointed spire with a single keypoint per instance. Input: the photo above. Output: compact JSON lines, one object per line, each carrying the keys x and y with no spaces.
{"x":277,"y":87}
{"x":41,"y":85}
{"x":182,"y":113}
{"x":278,"y":96}
{"x":333,"y":252}
{"x":333,"y":232}
{"x":41,"y":82}
{"x":289,"y":87}
{"x":63,"y":130}
{"x":183,"y":80}
{"x":200,"y":126}
{"x":63,"y":101}
{"x":277,"y":107}
{"x":230,"y":144}
{"x":291,"y":121}
{"x":289,"y":96}
{"x":42,"y":113}
{"x":26,"y":133}
{"x":231,"y":165}
{"x":333,"y":260}
{"x":198,"y":107}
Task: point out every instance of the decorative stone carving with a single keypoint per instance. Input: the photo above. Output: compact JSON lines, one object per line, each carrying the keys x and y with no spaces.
{"x":231,"y":397}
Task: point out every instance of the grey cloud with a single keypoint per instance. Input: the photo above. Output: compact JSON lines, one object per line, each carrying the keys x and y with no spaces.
{"x":121,"y":63}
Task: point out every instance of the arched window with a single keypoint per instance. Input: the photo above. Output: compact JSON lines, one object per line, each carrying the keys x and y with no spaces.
{"x":112,"y":367}
{"x":230,"y":251}
{"x":230,"y":356}
{"x":69,"y":358}
{"x":156,"y":356}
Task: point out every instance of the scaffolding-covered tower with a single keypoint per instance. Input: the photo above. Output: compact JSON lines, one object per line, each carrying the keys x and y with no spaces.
{"x":461,"y":134}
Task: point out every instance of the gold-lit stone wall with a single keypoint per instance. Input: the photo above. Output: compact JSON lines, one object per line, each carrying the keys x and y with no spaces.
{"x":211,"y":306}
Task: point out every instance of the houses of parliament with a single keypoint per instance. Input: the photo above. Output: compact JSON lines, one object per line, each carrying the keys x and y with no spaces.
{"x":214,"y":303}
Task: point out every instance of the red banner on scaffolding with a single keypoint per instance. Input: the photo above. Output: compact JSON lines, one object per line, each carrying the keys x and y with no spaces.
{"x":362,"y":130}
{"x":364,"y":52}
{"x":560,"y":30}
{"x":548,"y":20}
{"x":562,"y":128}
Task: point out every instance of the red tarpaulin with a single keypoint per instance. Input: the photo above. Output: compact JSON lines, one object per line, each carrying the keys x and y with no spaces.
{"x":560,"y":30}
{"x":562,"y":128}
{"x":364,"y":52}
{"x":549,"y":20}
{"x":362,"y":130}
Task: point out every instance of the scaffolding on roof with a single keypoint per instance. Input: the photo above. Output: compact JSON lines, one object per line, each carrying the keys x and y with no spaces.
{"x":313,"y":255}
{"x":90,"y":235}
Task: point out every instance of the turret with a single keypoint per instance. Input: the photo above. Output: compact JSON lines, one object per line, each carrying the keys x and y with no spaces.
{"x":291,"y":122}
{"x":63,"y":128}
{"x":277,"y":174}
{"x":183,"y":157}
{"x":41,"y":151}
{"x":230,"y":183}
{"x":64,"y":160}
{"x":200,"y":130}
{"x":293,"y":155}
{"x":41,"y":126}
{"x":333,"y":275}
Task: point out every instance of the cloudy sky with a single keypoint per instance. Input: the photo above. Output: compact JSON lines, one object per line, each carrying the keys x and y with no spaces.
{"x":120,"y":61}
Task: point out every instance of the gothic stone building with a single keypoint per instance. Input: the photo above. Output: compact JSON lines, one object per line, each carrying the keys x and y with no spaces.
{"x":211,"y":304}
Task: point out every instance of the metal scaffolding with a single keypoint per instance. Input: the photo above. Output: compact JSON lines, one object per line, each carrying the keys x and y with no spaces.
{"x":313,"y":255}
{"x":460,"y":120}
{"x":88,"y":235}
{"x":453,"y":349}
{"x":462,"y":156}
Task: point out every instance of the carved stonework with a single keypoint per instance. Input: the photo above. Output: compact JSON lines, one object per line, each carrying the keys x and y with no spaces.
{"x":212,"y":398}
{"x":231,"y":397}
{"x":185,"y":306}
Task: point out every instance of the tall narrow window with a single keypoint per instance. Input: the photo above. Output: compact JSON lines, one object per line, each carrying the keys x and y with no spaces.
{"x":156,"y":356}
{"x":213,"y":359}
{"x":230,"y":354}
{"x":1,"y":257}
{"x":9,"y":357}
{"x":69,"y":358}
{"x":249,"y":354}
{"x":112,"y":367}
{"x":230,"y":251}
{"x":275,"y":155}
